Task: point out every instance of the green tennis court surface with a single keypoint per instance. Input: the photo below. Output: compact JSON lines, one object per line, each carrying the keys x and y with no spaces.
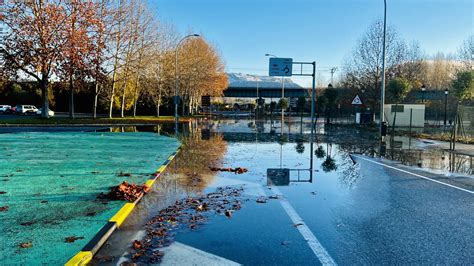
{"x":51,"y":182}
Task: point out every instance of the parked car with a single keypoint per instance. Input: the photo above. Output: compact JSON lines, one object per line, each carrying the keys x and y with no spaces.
{"x":40,"y":111}
{"x":4,"y":109}
{"x":26,"y":109}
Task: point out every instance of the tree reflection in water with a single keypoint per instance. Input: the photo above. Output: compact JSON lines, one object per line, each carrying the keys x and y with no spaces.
{"x":196,"y":156}
{"x":319,"y":152}
{"x":300,"y":140}
{"x":329,"y":163}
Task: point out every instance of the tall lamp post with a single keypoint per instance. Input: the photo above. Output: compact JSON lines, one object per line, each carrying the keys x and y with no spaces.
{"x":446,"y":92}
{"x":176,"y":82}
{"x":423,"y":90}
{"x":382,"y":88}
{"x":282,"y":94}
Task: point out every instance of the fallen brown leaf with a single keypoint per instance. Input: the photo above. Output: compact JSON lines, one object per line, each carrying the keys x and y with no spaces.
{"x":26,"y":245}
{"x":71,"y":239}
{"x":28,"y":223}
{"x":137,"y":244}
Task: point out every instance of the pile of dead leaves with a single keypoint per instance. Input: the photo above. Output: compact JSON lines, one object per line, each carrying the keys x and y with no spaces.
{"x":237,"y":170}
{"x":185,"y":214}
{"x":126,"y":191}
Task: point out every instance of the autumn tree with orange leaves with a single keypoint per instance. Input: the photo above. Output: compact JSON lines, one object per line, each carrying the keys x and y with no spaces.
{"x":35,"y":39}
{"x":115,"y":49}
{"x":79,"y":54}
{"x":48,"y":39}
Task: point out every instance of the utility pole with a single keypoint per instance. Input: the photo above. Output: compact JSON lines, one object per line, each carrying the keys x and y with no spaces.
{"x":382,"y":87}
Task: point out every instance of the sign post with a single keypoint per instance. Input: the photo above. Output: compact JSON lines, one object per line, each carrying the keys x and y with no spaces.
{"x":357,"y":102}
{"x":283,"y":67}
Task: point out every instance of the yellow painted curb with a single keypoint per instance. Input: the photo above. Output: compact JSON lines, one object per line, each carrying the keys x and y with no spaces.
{"x":149,"y":183}
{"x":81,"y":258}
{"x":85,"y":256}
{"x":161,"y":169}
{"x":122,"y":214}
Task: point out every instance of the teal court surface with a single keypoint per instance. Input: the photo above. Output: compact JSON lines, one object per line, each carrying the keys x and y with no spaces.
{"x":50,"y":183}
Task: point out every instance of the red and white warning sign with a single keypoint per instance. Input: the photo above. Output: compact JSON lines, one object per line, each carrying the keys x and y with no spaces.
{"x":356,"y":100}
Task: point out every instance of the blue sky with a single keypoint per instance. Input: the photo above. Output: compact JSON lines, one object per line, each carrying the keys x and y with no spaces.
{"x":321,"y":30}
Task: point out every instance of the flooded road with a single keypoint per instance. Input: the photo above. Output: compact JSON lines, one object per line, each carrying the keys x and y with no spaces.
{"x":351,"y":208}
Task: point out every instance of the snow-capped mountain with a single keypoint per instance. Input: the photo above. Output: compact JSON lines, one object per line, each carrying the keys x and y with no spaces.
{"x":239,"y":80}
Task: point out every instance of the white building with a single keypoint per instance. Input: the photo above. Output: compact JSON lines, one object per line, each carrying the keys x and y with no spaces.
{"x":403,"y":114}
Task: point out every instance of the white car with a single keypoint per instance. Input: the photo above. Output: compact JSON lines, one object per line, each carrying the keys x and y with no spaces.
{"x":40,"y":111}
{"x":5,"y":108}
{"x":26,"y":109}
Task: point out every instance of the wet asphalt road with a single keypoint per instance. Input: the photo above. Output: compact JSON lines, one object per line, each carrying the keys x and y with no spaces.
{"x":361,"y":214}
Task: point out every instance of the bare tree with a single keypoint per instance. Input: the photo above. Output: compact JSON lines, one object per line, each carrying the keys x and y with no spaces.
{"x":466,"y":53}
{"x":362,"y":69}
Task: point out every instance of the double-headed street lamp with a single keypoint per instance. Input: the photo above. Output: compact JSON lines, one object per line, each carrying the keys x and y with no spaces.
{"x":176,"y":81}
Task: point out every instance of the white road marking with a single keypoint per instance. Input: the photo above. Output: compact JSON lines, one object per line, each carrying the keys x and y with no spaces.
{"x":310,"y":238}
{"x":417,"y":175}
{"x":180,"y":254}
{"x":139,"y":235}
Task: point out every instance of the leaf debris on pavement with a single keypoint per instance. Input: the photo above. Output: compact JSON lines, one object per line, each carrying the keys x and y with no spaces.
{"x":186,"y":214}
{"x":125,"y":191}
{"x":237,"y":170}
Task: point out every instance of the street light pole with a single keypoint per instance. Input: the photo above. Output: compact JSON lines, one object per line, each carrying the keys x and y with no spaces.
{"x":282,"y":97}
{"x":423,"y":89}
{"x":382,"y":89}
{"x":445,"y":106}
{"x":176,"y":82}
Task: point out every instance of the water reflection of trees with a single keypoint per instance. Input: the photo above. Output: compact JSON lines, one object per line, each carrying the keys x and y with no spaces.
{"x":320,"y":152}
{"x":440,"y":160}
{"x":196,"y":155}
{"x":329,"y":163}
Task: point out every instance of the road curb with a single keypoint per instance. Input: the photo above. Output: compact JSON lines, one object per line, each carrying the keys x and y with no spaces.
{"x":86,"y":254}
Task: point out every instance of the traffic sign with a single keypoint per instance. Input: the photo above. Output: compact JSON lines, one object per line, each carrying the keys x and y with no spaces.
{"x":282,"y":67}
{"x":356,"y":100}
